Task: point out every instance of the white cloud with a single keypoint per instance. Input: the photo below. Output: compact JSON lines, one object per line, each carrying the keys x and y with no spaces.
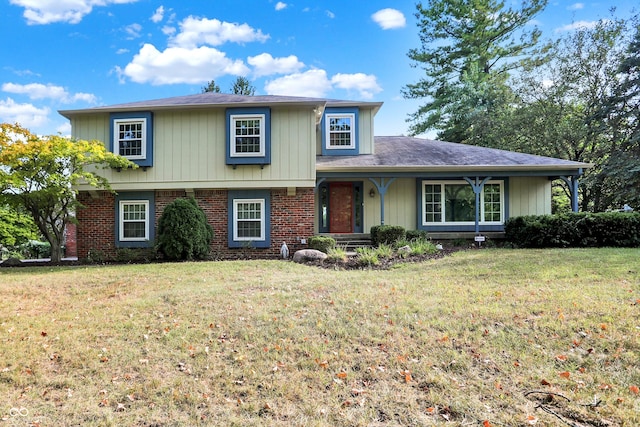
{"x":266,"y":65}
{"x":181,"y":65}
{"x":133,"y":31}
{"x":389,"y":19}
{"x":122,"y":51}
{"x":280,"y":5}
{"x":576,"y":6}
{"x":330,"y":14}
{"x":64,"y":129}
{"x":198,"y":31}
{"x":366,"y":85}
{"x":26,"y":115}
{"x":312,"y":83}
{"x":168,"y":30}
{"x":158,"y":15}
{"x":49,"y":91}
{"x":587,"y":25}
{"x":39,"y":12}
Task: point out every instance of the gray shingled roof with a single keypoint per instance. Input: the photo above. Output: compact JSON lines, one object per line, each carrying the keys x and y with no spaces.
{"x":400,"y":153}
{"x":209,"y":99}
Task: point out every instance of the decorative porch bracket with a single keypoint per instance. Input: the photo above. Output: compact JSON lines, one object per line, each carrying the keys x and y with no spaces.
{"x":477,"y":186}
{"x":572,"y":183}
{"x":382,"y":185}
{"x":318,"y":183}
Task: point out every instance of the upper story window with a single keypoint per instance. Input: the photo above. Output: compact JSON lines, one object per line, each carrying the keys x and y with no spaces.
{"x":248,"y":136}
{"x":132,"y":136}
{"x":340,"y":131}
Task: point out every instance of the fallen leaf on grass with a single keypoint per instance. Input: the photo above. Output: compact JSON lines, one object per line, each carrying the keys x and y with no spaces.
{"x":565,"y":374}
{"x":342,"y":375}
{"x":634,"y":389}
{"x":407,"y":375}
{"x":531,"y":420}
{"x":561,"y":357}
{"x":486,"y":423}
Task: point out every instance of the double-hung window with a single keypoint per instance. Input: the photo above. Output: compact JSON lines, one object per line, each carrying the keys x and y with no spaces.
{"x":248,"y":139}
{"x":248,"y":136}
{"x":340,"y":131}
{"x":249,"y":218}
{"x":453,"y":202}
{"x":132,"y":136}
{"x":134,"y":220}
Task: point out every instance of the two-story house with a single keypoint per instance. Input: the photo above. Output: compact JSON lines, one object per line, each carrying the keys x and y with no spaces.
{"x":273,"y":169}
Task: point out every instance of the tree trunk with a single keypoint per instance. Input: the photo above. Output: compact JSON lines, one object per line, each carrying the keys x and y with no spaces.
{"x":56,"y":249}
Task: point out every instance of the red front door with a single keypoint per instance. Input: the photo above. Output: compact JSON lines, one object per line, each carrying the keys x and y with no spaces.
{"x":341,"y":207}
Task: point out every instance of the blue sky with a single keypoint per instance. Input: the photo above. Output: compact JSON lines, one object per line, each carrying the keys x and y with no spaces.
{"x":74,"y":54}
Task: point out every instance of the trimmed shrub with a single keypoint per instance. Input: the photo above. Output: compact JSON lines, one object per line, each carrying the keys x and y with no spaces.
{"x":607,"y":229}
{"x":387,"y":234}
{"x":322,"y":243}
{"x":412,"y":235}
{"x":183,"y":231}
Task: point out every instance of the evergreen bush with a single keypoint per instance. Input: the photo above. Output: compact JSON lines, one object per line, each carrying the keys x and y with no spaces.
{"x":607,"y":229}
{"x":387,"y":234}
{"x":183,"y":231}
{"x":322,"y":243}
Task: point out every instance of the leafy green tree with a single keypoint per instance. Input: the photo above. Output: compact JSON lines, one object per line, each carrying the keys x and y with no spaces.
{"x":242,"y":86}
{"x":183,"y":231}
{"x":468,"y":48}
{"x":211,"y":87}
{"x":16,"y":228}
{"x":621,"y":115}
{"x":558,"y":110}
{"x":38,"y":174}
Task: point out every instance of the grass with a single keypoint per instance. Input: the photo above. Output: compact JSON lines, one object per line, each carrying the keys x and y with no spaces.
{"x":483,"y":337}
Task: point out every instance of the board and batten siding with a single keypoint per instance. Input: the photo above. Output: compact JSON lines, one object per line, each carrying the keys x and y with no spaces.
{"x":399,"y":204}
{"x":190,"y":146}
{"x":529,"y":196}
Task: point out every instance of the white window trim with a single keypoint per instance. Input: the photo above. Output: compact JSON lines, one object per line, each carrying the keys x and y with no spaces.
{"x":263,"y":220}
{"x":232,"y":139}
{"x":116,"y":133}
{"x":443,"y":213}
{"x":327,"y":128}
{"x":146,"y":221}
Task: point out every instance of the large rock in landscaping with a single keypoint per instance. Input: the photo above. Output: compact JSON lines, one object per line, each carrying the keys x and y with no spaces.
{"x":306,"y":255}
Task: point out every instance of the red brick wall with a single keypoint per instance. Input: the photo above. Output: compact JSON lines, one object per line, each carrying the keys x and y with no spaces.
{"x":291,"y":220}
{"x":70,"y":244}
{"x":96,"y":225}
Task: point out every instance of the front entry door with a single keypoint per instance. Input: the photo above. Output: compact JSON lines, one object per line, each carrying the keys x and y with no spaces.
{"x":341,"y":202}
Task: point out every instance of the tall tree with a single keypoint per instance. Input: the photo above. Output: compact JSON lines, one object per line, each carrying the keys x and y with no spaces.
{"x":242,"y":86}
{"x":39,"y":174}
{"x":468,"y":47}
{"x":211,"y":87}
{"x":558,"y":111}
{"x":621,"y":115}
